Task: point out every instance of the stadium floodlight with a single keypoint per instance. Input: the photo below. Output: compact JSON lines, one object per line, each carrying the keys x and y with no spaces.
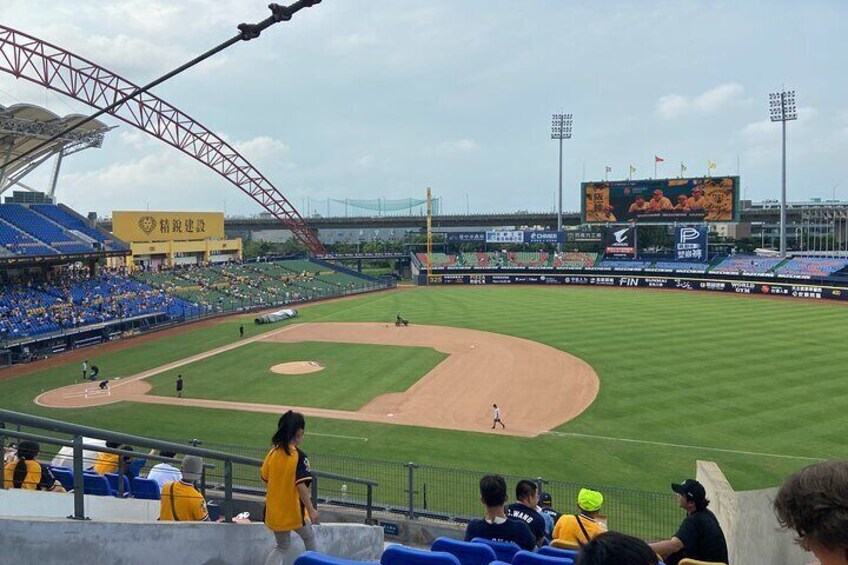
{"x":782,"y":109}
{"x":560,"y":129}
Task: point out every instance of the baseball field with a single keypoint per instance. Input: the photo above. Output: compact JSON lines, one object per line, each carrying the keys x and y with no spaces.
{"x":620,"y":387}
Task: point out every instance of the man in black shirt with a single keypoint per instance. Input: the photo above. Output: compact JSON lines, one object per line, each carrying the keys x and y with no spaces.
{"x":699,"y":535}
{"x":496,"y":526}
{"x":525,"y":509}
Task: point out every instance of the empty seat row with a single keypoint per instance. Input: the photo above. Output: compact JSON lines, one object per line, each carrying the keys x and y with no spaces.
{"x":108,"y":484}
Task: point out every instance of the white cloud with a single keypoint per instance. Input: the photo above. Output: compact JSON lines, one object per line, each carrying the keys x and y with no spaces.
{"x":462,"y":145}
{"x":366,"y":161}
{"x":344,"y":44}
{"x":674,"y":106}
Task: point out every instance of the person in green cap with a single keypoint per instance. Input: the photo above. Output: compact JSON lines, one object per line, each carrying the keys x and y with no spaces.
{"x":577,"y":529}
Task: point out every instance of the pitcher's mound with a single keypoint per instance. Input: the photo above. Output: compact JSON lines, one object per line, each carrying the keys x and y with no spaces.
{"x":297,"y":368}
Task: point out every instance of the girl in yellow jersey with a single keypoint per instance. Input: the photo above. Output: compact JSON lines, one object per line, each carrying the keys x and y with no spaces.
{"x":288,"y":502}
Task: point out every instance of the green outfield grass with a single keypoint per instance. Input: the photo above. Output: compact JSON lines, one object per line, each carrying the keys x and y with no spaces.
{"x":754,"y":384}
{"x":353,"y":374}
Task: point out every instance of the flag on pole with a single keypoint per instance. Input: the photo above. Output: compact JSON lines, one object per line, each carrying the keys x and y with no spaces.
{"x":608,"y":169}
{"x":632,"y":169}
{"x":682,"y":169}
{"x":658,"y":159}
{"x":711,"y":165}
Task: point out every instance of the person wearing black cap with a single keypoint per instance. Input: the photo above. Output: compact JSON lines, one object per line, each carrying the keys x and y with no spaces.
{"x":699,"y":535}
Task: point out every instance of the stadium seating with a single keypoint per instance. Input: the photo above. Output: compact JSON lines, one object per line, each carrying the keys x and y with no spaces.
{"x":440,"y":260}
{"x":65,"y":476}
{"x":96,"y":484}
{"x":315,"y":558}
{"x":747,"y":264}
{"x":402,"y":555}
{"x":505,"y":550}
{"x":533,"y":558}
{"x":468,"y":553}
{"x":146,"y":489}
{"x":556,"y":552}
{"x":71,"y":222}
{"x":681,"y":266}
{"x":114,"y":484}
{"x":811,"y":266}
{"x":43,"y":229}
{"x":574,"y":260}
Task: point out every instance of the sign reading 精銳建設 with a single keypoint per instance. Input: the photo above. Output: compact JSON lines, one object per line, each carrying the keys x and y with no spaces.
{"x":167,"y":226}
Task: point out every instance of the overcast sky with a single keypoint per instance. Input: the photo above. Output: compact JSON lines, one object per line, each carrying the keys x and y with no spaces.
{"x":382,"y":98}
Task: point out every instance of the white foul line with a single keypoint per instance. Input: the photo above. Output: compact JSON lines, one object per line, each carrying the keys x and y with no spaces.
{"x":664,"y":444}
{"x":338,"y":436}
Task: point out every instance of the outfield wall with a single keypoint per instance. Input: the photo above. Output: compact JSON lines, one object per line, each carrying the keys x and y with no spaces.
{"x":704,"y":282}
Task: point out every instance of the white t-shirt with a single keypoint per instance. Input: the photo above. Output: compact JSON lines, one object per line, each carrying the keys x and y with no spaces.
{"x":497,"y":413}
{"x":163,"y":473}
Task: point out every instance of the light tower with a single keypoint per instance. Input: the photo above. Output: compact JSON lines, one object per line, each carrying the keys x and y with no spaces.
{"x":782,"y":109}
{"x":560,"y":129}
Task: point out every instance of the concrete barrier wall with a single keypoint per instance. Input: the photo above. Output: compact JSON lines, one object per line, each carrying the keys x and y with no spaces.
{"x":747,"y":518}
{"x":16,"y":502}
{"x":49,"y":541}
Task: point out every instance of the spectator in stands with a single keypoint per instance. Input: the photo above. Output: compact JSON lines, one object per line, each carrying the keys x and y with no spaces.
{"x":26,"y":473}
{"x":814,"y":503}
{"x":546,"y":504}
{"x":181,"y":501}
{"x":524,"y":509}
{"x":578,"y":529}
{"x":496,"y":525}
{"x":107,"y":462}
{"x":164,"y":473}
{"x":613,"y":548}
{"x":287,"y":474}
{"x":699,"y":535}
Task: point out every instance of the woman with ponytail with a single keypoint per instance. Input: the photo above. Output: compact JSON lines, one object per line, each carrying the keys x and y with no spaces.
{"x":27,"y":473}
{"x":287,"y":475}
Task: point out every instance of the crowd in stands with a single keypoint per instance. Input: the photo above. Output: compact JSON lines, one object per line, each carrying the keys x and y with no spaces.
{"x":72,"y":298}
{"x":811,"y":502}
{"x":75,"y":299}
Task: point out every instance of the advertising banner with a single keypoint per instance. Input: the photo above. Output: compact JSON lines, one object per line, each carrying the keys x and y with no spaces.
{"x":466,"y":237}
{"x":620,"y":242}
{"x":167,"y":226}
{"x":690,"y":243}
{"x":710,"y":199}
{"x":583,"y":236}
{"x":543,"y":237}
{"x":504,"y":236}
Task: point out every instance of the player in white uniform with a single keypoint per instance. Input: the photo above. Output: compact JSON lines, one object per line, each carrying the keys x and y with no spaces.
{"x":496,"y":418}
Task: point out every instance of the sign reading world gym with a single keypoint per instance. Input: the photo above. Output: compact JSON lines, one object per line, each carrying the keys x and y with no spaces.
{"x":167,"y":226}
{"x":690,"y":243}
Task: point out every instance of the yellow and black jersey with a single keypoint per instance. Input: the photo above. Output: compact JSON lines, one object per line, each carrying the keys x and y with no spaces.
{"x":282,"y":472}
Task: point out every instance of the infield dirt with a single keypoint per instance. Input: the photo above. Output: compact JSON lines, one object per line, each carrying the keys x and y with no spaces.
{"x":536,"y":386}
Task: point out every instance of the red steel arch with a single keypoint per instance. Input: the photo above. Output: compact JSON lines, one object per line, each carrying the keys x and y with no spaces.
{"x":29,"y":58}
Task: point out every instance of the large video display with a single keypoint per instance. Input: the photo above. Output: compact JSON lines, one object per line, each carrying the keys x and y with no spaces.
{"x":713,"y":199}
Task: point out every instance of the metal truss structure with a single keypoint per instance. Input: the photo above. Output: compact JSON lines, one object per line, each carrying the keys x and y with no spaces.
{"x":29,"y":58}
{"x":17,"y":133}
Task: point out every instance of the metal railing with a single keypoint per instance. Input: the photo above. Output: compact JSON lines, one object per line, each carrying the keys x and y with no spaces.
{"x":233,"y":465}
{"x":451,"y":495}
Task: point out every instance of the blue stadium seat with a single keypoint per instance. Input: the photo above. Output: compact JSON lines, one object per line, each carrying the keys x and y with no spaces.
{"x":468,"y":553}
{"x":557,"y":552}
{"x":64,"y":476}
{"x":96,"y":484}
{"x":532,"y":558}
{"x":315,"y":558}
{"x":402,"y":555}
{"x":113,"y":483}
{"x":145,"y":489}
{"x":504,"y":550}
